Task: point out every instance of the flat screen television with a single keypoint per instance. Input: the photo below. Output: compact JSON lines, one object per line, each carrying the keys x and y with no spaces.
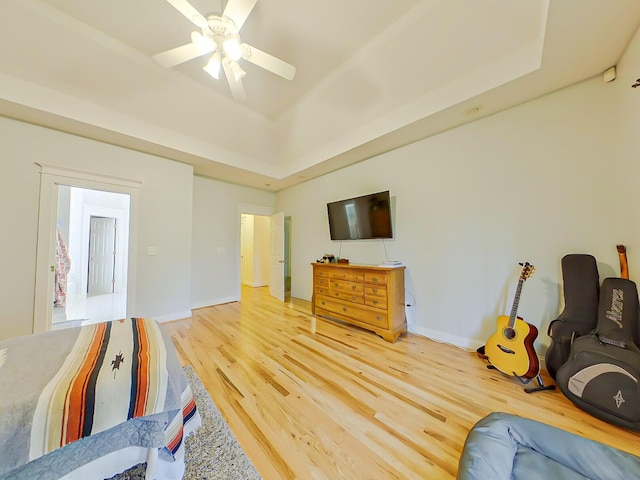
{"x":360,"y":218}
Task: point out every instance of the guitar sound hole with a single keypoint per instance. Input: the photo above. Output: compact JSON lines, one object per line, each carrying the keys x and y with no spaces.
{"x":509,"y":333}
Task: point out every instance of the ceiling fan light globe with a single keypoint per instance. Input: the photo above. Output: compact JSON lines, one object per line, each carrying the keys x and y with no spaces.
{"x":232,"y":49}
{"x":202,"y":42}
{"x":213,"y":66}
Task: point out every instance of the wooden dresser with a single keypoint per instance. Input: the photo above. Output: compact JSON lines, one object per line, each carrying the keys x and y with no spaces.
{"x":370,"y":297}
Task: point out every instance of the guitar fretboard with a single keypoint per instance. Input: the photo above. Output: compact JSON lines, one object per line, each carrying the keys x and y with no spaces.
{"x":516,"y":301}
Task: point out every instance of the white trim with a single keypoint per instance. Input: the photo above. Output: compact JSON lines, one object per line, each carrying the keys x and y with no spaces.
{"x":249,"y":209}
{"x":76,"y":173}
{"x":469,"y":344}
{"x":215,"y":301}
{"x":173,"y":316}
{"x":50,"y":178}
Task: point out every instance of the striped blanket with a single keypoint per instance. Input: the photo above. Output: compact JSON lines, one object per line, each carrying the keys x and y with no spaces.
{"x":96,"y":379}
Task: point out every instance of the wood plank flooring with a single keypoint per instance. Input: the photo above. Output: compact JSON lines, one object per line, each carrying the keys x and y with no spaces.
{"x":343,"y":403}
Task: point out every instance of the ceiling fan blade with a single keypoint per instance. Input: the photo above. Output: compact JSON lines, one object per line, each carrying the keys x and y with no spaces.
{"x":268,"y":62}
{"x":179,"y":55}
{"x":239,"y":10}
{"x":186,"y":9}
{"x":237,"y":89}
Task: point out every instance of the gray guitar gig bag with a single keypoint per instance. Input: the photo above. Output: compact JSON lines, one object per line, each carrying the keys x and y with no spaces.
{"x":602,"y":374}
{"x":581,"y":287}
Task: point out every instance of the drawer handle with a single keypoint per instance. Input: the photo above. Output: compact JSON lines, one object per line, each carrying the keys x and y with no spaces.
{"x":378,"y":317}
{"x":375,"y":290}
{"x":344,"y":309}
{"x":353,"y":287}
{"x":322,"y":302}
{"x":375,"y":302}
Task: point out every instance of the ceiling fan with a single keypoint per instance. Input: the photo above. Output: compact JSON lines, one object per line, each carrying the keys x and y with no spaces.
{"x":219,"y":37}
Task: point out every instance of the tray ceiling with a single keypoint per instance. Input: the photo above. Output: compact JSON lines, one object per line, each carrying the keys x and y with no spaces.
{"x":372,"y":75}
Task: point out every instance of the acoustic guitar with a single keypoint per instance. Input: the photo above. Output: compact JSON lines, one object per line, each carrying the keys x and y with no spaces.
{"x":510,"y":349}
{"x":624,"y":266}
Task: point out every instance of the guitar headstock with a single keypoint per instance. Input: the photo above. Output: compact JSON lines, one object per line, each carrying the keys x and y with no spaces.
{"x":527,"y":271}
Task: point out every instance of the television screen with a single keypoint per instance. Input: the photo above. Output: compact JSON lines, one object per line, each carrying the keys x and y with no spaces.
{"x":359,"y":218}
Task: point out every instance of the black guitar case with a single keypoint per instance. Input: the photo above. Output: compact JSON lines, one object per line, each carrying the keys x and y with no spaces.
{"x":581,"y":287}
{"x":602,"y":375}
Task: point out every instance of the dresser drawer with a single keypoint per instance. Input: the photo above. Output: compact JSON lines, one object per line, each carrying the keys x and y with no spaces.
{"x":320,"y":290}
{"x":375,"y":277}
{"x":335,"y":306}
{"x":375,"y":318}
{"x":322,"y":281}
{"x":371,"y":317}
{"x":350,"y":275}
{"x":376,"y":302}
{"x":376,"y":296}
{"x":345,"y":286}
{"x":322,"y":272}
{"x":347,"y":296}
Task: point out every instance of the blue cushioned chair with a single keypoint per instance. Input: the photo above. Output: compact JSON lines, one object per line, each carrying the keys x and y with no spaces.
{"x":504,"y":447}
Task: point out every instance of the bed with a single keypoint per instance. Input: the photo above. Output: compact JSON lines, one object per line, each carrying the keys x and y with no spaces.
{"x":93,"y":401}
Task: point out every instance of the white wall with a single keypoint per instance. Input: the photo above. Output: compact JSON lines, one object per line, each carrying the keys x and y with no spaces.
{"x":216,"y":238}
{"x":554,"y":176}
{"x":163,"y":282}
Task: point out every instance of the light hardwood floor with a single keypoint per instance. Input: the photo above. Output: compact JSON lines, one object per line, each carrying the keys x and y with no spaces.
{"x":343,"y":403}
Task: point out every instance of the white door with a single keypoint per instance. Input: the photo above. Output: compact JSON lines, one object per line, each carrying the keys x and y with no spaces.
{"x":245,"y":252}
{"x":276,"y":270}
{"x":102,"y":254}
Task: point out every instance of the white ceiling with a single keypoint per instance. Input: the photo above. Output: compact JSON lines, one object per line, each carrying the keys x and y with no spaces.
{"x":371,"y":74}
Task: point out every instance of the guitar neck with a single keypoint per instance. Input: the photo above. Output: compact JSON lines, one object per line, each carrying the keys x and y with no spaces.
{"x":516,"y":302}
{"x":624,"y":266}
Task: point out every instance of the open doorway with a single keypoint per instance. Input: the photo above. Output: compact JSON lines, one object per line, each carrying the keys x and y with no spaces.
{"x":258,"y":258}
{"x":92,"y":229}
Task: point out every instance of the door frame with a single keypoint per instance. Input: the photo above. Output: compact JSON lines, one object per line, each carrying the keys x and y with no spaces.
{"x":246,"y":208}
{"x":51,"y":176}
{"x":276,"y":258}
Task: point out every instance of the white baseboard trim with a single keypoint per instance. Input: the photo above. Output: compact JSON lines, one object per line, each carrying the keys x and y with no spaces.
{"x":215,"y":301}
{"x":172,"y":316}
{"x":469,"y":344}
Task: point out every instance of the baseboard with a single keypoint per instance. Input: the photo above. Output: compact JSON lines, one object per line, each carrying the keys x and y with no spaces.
{"x":469,"y":344}
{"x":173,"y":316}
{"x":215,"y":301}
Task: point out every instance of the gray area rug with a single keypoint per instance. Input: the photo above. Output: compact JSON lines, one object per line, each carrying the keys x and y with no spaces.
{"x":212,"y":453}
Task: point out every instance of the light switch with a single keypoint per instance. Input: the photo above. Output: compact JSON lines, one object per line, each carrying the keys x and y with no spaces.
{"x":152,"y":250}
